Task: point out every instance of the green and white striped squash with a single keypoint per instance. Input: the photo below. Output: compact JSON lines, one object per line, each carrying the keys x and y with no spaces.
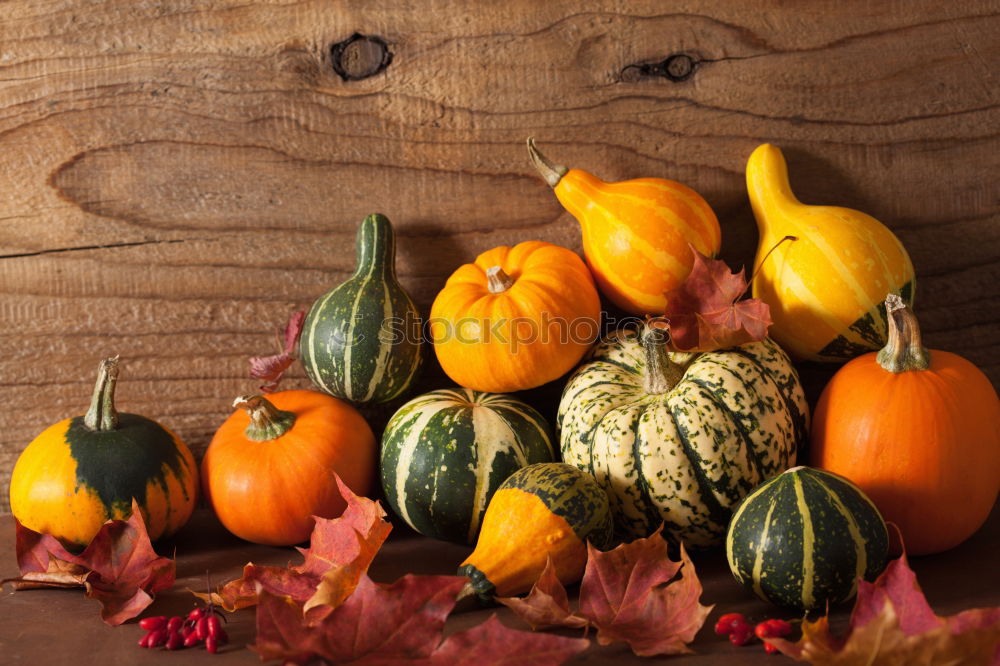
{"x":680,"y":439}
{"x":804,"y":538}
{"x":446,"y":452}
{"x":356,"y":343}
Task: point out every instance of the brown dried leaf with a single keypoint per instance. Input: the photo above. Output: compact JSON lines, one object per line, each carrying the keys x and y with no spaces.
{"x":272,"y":368}
{"x":547,"y":604}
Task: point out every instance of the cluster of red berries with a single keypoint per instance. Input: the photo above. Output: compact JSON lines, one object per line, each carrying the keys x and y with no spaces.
{"x":202,"y":625}
{"x":740,"y":631}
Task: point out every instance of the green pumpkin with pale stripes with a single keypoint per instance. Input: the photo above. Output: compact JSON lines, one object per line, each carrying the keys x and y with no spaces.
{"x":680,"y":439}
{"x":446,"y":452}
{"x":361,"y":341}
{"x":804,"y":538}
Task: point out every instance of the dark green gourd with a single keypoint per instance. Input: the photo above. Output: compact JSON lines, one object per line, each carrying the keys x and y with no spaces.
{"x":361,"y":340}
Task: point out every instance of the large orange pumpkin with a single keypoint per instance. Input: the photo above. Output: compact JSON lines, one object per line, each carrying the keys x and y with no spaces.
{"x":918,"y":431}
{"x":270,"y":466}
{"x":637,"y":234}
{"x":516,"y":318}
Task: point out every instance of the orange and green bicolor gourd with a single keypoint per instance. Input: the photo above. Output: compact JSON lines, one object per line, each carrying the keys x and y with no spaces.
{"x":637,"y":234}
{"x":825,"y":286}
{"x":83,"y":471}
{"x":542,"y":511}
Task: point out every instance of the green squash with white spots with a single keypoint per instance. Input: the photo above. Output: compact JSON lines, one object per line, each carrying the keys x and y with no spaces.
{"x":680,"y":438}
{"x":446,"y":452}
{"x":361,"y":341}
{"x":804,"y":538}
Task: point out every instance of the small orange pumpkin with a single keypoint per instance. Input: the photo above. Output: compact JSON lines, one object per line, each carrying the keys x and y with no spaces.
{"x":270,"y":466}
{"x":918,"y":431}
{"x":636,"y":233}
{"x":516,"y":318}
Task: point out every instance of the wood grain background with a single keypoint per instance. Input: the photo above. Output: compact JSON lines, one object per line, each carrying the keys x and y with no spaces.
{"x":176,"y":177}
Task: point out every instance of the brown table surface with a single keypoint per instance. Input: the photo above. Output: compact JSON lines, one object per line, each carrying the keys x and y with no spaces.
{"x":63,"y":627}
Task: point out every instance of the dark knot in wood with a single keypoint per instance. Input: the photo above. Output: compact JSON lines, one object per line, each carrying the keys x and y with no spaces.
{"x":677,"y":67}
{"x":360,"y":56}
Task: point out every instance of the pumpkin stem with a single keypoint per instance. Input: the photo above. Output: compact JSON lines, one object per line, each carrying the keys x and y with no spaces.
{"x":102,"y":414}
{"x":497,"y":281}
{"x":552,"y":173}
{"x":266,"y":421}
{"x":376,"y":251}
{"x":662,"y":374}
{"x":904,"y":351}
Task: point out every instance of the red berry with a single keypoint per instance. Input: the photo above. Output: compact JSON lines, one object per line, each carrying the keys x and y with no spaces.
{"x":151,"y":623}
{"x":174,"y":641}
{"x":742,"y":634}
{"x":157,"y":638}
{"x":191,"y":640}
{"x":770,"y":649}
{"x":728,"y":622}
{"x":212,"y":625}
{"x":144,"y":641}
{"x":201,"y":628}
{"x":779,"y":627}
{"x":196,"y":613}
{"x":211,"y":644}
{"x":174,"y":623}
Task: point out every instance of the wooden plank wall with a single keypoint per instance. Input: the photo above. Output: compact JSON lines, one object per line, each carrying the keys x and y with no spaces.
{"x":176,"y":177}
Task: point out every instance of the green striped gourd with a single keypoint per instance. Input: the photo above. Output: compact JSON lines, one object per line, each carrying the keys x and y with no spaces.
{"x":446,"y":452}
{"x":356,"y":340}
{"x":804,"y":538}
{"x":680,"y":439}
{"x":543,"y":512}
{"x":824,"y":288}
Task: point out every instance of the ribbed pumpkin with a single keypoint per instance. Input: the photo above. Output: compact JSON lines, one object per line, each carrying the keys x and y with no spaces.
{"x":803,"y":538}
{"x":516,"y":318}
{"x":361,"y":340}
{"x":270,"y":466}
{"x":917,"y":430}
{"x":636,"y":233}
{"x":446,"y":452}
{"x":83,"y":471}
{"x":825,"y":288}
{"x":547,"y":510}
{"x":680,"y":438}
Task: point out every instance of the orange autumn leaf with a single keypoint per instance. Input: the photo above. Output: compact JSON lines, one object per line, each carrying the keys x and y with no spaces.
{"x":630,"y":594}
{"x":704,"y":312}
{"x":340,"y":552}
{"x":118,"y":568}
{"x":892,"y":623}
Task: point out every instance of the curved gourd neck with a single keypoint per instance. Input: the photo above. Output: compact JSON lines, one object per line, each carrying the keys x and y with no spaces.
{"x":102,"y":415}
{"x":576,"y":189}
{"x":767,"y":183}
{"x":662,"y":374}
{"x":376,"y":251}
{"x":904,"y":350}
{"x":267,"y":422}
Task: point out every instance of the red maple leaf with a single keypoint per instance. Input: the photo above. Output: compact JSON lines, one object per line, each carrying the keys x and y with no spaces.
{"x":627,"y":594}
{"x":272,"y":368}
{"x":340,"y":551}
{"x":893,"y":623}
{"x":704,"y":312}
{"x":397,"y":623}
{"x":118,"y":568}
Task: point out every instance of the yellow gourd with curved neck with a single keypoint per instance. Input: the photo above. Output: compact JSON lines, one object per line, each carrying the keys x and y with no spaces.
{"x":825,"y":288}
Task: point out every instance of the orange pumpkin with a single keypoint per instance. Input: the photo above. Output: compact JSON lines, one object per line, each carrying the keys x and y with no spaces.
{"x":918,"y":431}
{"x":270,"y":467}
{"x":636,"y":233}
{"x":516,"y":318}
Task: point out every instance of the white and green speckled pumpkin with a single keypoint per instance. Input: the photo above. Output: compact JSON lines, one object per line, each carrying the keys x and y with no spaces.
{"x":446,"y":452}
{"x":680,"y":438}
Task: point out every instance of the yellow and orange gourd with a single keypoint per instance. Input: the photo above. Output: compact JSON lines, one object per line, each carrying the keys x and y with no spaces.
{"x":637,"y":234}
{"x":825,"y":285}
{"x":516,"y":318}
